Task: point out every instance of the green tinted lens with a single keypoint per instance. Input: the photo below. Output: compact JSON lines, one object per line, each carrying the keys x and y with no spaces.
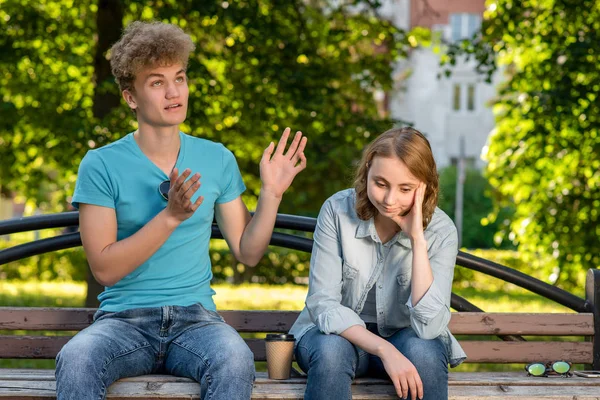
{"x":536,"y":369}
{"x":561,"y":367}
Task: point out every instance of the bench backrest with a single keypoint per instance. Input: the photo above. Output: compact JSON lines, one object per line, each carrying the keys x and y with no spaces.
{"x":477,"y":332}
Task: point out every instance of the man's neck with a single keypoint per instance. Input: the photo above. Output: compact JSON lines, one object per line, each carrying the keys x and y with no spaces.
{"x":161,"y":145}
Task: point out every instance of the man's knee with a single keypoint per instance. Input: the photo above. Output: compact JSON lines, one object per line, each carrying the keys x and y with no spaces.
{"x":235,"y":359}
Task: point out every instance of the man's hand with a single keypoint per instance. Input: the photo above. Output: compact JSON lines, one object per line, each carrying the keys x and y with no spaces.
{"x":180,"y":206}
{"x":278,"y":170}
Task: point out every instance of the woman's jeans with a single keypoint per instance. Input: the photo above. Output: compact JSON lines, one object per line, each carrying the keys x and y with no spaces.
{"x":183,"y":341}
{"x":332,"y":362}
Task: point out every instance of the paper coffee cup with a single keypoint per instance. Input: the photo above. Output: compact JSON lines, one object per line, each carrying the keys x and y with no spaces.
{"x":280,"y":348}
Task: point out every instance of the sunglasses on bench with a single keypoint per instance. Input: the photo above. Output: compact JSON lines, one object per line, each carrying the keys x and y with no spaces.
{"x":561,"y":368}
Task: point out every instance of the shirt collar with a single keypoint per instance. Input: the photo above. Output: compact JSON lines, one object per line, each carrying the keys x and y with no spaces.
{"x":367,"y":229}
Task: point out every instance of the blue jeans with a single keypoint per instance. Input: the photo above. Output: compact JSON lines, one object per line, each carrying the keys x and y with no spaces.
{"x":188,"y":341}
{"x":332,"y":362}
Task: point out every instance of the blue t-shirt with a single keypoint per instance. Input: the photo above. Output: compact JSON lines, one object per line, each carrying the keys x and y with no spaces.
{"x":120,"y":176}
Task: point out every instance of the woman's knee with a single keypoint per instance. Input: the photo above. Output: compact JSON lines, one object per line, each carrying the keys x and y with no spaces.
{"x":330,"y":353}
{"x":426,"y":354}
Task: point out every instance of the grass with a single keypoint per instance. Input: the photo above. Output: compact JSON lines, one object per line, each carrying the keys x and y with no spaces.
{"x":260,"y":297}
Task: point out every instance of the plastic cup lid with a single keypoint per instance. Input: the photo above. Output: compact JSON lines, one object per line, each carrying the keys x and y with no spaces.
{"x":281,"y":337}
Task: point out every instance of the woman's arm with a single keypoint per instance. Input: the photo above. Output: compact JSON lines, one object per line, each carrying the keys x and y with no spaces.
{"x":431,"y":282}
{"x":401,"y":371}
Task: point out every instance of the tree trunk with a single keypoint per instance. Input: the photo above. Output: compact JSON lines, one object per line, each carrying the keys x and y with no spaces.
{"x":109,"y":24}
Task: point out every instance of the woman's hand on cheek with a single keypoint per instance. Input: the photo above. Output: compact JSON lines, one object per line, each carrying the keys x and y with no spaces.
{"x":412,"y":223}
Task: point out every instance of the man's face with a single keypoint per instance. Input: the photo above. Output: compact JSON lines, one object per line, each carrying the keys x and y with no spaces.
{"x":160,"y":97}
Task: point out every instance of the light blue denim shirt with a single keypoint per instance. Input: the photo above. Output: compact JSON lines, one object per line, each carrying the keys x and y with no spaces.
{"x":348,"y":259}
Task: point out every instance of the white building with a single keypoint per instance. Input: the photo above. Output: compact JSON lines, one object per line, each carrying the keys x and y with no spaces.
{"x":444,"y":108}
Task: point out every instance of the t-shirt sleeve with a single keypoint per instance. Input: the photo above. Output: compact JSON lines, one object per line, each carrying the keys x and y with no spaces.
{"x":232,"y":184}
{"x":93,"y":184}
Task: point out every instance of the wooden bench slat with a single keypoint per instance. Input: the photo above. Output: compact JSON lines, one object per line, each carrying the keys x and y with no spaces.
{"x":454,"y":378}
{"x":525,"y":352}
{"x":548,"y":324}
{"x":462,"y":386}
{"x":477,"y":351}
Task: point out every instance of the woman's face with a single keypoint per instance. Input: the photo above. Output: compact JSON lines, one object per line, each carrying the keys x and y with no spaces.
{"x":390,"y":186}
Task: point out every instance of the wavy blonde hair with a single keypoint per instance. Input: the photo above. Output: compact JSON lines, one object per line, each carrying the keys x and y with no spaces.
{"x":148,"y":44}
{"x":412,"y":148}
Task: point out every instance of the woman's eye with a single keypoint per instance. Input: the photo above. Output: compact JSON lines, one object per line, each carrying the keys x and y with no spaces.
{"x":405,"y":190}
{"x":380,"y":184}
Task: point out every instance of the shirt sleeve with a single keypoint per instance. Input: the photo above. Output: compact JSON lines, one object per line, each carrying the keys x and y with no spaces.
{"x":325,"y":279}
{"x":430,"y":317}
{"x":93,"y":184}
{"x":232,"y":184}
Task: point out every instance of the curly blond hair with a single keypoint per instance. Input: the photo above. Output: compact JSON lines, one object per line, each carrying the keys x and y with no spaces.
{"x":412,"y":148}
{"x":148,"y":44}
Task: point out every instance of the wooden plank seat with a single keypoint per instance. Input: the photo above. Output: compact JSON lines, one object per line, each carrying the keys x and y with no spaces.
{"x":39,"y":333}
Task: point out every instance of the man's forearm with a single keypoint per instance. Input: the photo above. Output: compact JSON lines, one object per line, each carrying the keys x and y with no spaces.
{"x":257,"y":235}
{"x":120,"y":258}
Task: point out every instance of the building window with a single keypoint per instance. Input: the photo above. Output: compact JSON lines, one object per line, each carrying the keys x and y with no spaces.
{"x":456,"y":97}
{"x":470,"y":97}
{"x":464,"y":26}
{"x":463,"y":97}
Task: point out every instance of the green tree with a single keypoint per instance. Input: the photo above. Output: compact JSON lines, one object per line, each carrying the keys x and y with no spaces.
{"x":479,"y":230}
{"x":544,"y":153}
{"x":259,"y":66}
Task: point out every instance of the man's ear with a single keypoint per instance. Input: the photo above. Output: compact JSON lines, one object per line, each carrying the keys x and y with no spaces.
{"x":129,"y":99}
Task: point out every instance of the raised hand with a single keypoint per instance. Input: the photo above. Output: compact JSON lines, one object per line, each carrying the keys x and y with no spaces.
{"x":181,"y":191}
{"x":278,"y":170}
{"x":412,"y":223}
{"x":403,"y":374}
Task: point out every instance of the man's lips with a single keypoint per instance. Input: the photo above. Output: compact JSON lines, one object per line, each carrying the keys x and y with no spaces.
{"x":173,"y":106}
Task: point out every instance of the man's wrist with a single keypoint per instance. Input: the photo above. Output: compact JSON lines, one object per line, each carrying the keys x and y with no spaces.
{"x":170,"y":220}
{"x":268,"y":193}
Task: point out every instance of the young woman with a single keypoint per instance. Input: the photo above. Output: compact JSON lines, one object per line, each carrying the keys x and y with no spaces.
{"x":381,"y":274}
{"x":145,"y":222}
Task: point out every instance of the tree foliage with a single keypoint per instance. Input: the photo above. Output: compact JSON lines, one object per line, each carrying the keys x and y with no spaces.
{"x":259,"y":66}
{"x":478,"y":230}
{"x":544,"y":153}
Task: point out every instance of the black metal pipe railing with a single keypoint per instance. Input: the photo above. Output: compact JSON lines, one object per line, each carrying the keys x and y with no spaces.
{"x":522,"y":280}
{"x":37,"y":222}
{"x":284,"y":221}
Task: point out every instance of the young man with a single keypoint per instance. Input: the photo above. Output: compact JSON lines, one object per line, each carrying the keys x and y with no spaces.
{"x":145,"y":222}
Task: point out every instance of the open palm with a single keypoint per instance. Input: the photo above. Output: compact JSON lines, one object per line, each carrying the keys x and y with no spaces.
{"x":279,"y":168}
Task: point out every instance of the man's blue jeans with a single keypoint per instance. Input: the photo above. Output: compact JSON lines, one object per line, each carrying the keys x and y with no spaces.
{"x":332,"y":362}
{"x":183,"y":341}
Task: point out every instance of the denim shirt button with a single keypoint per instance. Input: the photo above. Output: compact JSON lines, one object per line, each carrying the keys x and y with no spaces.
{"x":380,"y":286}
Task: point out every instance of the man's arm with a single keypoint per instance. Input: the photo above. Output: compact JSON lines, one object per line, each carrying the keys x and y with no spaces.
{"x":248,"y":237}
{"x":111,"y":260}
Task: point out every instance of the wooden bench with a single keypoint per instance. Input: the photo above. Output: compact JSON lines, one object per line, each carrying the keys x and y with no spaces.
{"x":39,"y":333}
{"x":40,"y":384}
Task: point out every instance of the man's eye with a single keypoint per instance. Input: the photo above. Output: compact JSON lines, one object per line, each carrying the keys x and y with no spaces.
{"x":156,"y":83}
{"x":179,"y":79}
